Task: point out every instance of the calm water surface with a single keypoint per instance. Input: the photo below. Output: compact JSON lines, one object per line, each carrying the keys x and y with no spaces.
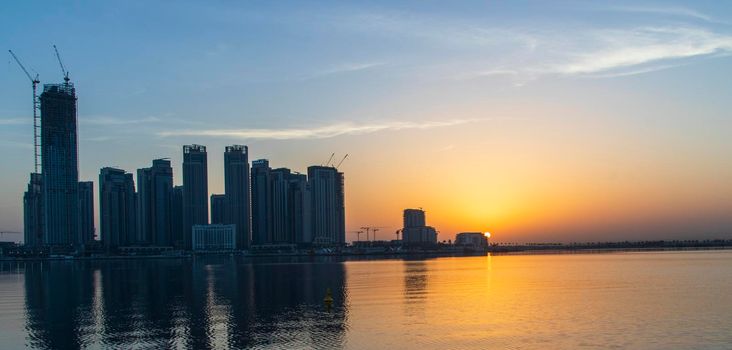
{"x":664,"y":300}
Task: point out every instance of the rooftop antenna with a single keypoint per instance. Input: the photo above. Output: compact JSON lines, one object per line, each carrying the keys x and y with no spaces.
{"x":63,"y":69}
{"x":36,"y":117}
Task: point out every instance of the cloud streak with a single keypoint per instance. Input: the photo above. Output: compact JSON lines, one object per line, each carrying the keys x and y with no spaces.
{"x":321,"y":132}
{"x":104,"y":120}
{"x":523,"y":53}
{"x":619,"y":49}
{"x":665,"y":11}
{"x":16,"y":121}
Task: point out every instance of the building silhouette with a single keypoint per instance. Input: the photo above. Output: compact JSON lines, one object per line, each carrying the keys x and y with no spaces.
{"x":415,"y":231}
{"x":176,"y":217}
{"x":33,"y":211}
{"x":414,"y":218}
{"x":59,"y":165}
{"x":86,"y":211}
{"x":195,"y":189}
{"x":218,"y":209}
{"x":261,"y":202}
{"x":236,"y":189}
{"x":281,"y":231}
{"x":327,"y":205}
{"x":154,"y":186}
{"x":117,"y":208}
{"x":299,"y":212}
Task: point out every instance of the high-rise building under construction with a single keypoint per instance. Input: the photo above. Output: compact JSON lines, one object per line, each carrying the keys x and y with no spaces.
{"x":60,"y":165}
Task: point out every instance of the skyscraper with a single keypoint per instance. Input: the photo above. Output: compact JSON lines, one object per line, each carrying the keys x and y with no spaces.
{"x":33,"y":211}
{"x":86,"y":211}
{"x":195,"y":189}
{"x":117,"y":208}
{"x":59,"y":164}
{"x":218,"y":209}
{"x":281,"y":232}
{"x":236,"y":188}
{"x":261,"y":202}
{"x":176,"y":224}
{"x":299,"y":212}
{"x":327,"y":205}
{"x":154,"y":185}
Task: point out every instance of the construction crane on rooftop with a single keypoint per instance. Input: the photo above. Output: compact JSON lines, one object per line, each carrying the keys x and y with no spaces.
{"x":63,"y":69}
{"x":341,"y":162}
{"x":36,"y":116}
{"x":329,"y":159}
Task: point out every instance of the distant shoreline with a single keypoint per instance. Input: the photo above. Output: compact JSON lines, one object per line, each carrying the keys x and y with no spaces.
{"x":504,"y":250}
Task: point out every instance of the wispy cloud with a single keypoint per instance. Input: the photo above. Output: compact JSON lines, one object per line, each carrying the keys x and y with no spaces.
{"x":321,"y":132}
{"x":350,"y":67}
{"x":16,"y":121}
{"x":470,"y":48}
{"x":628,"y":48}
{"x":665,"y":11}
{"x":105,"y":120}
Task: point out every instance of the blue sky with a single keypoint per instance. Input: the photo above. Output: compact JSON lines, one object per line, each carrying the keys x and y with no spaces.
{"x":632,"y":83}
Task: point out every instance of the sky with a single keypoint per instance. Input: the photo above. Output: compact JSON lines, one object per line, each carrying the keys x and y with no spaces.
{"x":538,"y":122}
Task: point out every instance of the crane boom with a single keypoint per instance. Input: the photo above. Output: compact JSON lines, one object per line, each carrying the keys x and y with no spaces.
{"x":36,"y":117}
{"x":63,"y":69}
{"x":341,"y":162}
{"x":33,"y":80}
{"x":329,"y":159}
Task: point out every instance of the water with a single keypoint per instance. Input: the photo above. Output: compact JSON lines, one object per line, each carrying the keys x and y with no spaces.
{"x":664,"y":300}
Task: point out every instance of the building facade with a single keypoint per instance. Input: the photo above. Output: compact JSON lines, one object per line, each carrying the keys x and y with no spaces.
{"x":213,"y":237}
{"x":59,"y":164}
{"x":117,"y":208}
{"x":218,"y":209}
{"x":176,"y":217}
{"x":327,"y":205}
{"x":86,"y":211}
{"x":195,"y":189}
{"x":414,"y":218}
{"x":154,"y":185}
{"x":299,"y":212}
{"x":236,"y":189}
{"x":33,"y":211}
{"x":281,"y":231}
{"x":261,"y":202}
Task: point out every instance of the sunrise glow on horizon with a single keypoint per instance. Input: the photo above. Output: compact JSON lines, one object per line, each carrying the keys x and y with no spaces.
{"x":579,"y":122}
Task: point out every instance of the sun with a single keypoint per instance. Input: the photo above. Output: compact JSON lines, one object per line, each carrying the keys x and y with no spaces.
{"x":487,"y":235}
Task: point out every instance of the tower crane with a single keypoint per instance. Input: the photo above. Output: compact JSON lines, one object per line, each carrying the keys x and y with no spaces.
{"x":358,"y":235}
{"x":63,"y":69}
{"x":329,"y":159}
{"x":373,"y":229}
{"x":36,"y":116}
{"x":339,"y":163}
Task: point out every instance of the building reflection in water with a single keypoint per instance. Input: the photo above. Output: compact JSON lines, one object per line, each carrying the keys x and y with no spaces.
{"x":415,"y":286}
{"x":199,"y":303}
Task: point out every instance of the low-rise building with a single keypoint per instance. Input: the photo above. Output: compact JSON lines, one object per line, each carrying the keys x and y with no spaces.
{"x":476,"y":240}
{"x":214,"y":237}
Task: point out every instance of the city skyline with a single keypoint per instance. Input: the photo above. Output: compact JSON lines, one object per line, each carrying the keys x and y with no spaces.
{"x":613,"y":138}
